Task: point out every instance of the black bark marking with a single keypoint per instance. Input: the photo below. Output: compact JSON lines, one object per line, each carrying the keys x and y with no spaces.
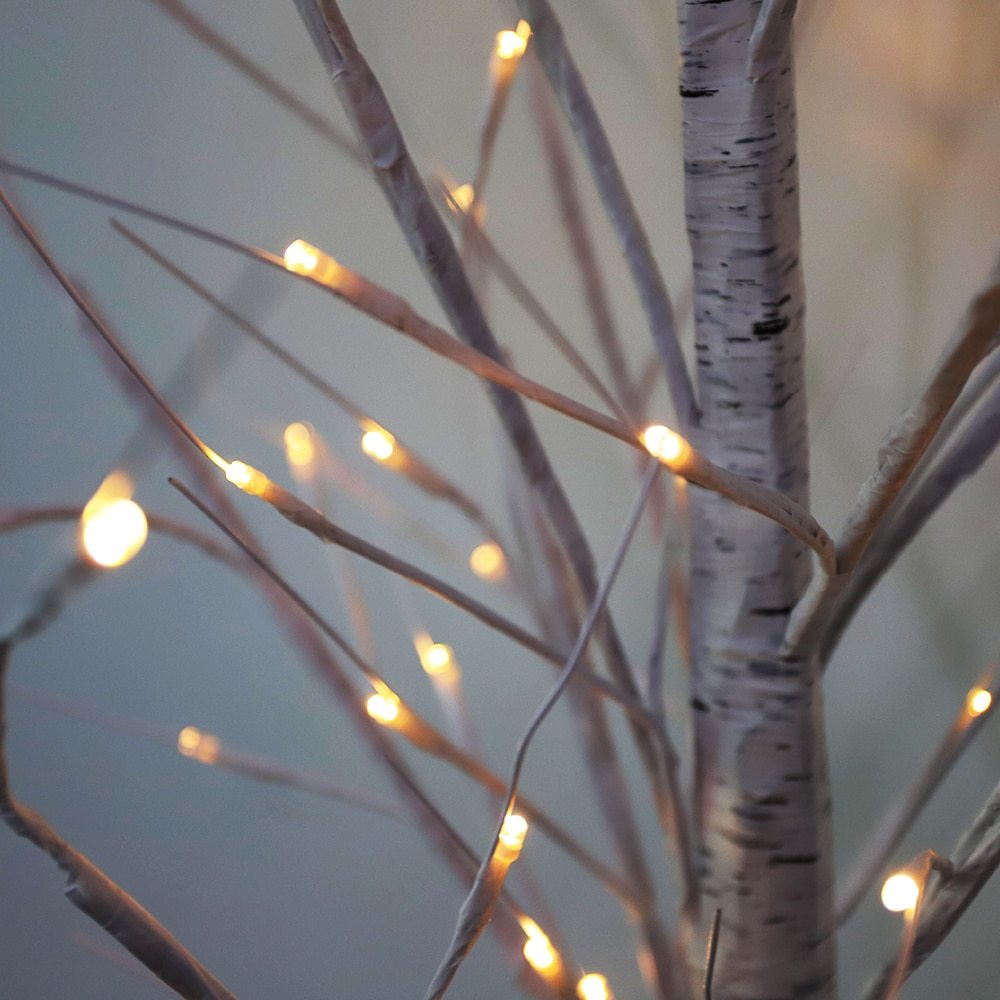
{"x":792,"y":859}
{"x":699,"y":91}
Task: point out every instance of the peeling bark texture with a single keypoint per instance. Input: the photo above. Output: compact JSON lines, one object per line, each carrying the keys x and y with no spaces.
{"x":760,"y":769}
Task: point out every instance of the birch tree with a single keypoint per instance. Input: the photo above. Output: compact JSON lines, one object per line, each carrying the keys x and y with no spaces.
{"x":740,"y":800}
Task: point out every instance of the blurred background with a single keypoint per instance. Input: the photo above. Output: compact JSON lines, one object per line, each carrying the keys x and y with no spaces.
{"x":286,"y":895}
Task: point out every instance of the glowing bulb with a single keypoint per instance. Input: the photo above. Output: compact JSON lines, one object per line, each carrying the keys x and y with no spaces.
{"x":511,"y":839}
{"x":488,"y":561}
{"x":304,"y":258}
{"x":593,"y":986}
{"x":299,"y":447}
{"x":112,"y":530}
{"x":378,"y":443}
{"x":204,"y":747}
{"x":383,"y":708}
{"x":541,"y":956}
{"x":464,"y":195}
{"x":666,"y":445}
{"x":246,"y":477}
{"x":436,"y":658}
{"x":900,"y":892}
{"x":511,"y":44}
{"x":978,"y":701}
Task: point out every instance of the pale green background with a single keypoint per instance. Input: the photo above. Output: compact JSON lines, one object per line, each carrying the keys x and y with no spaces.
{"x":285,"y":896}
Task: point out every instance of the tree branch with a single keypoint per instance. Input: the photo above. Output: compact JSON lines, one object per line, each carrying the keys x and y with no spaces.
{"x":900,"y":816}
{"x":92,"y":892}
{"x":976,"y":859}
{"x":569,"y":88}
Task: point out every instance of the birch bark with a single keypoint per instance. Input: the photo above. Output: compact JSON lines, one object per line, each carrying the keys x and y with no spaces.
{"x":762,"y":800}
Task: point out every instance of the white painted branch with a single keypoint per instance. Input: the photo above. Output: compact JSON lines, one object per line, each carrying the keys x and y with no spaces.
{"x":902,"y":448}
{"x":760,"y":767}
{"x":570,"y":89}
{"x":106,"y":903}
{"x":976,"y":859}
{"x":898,"y":819}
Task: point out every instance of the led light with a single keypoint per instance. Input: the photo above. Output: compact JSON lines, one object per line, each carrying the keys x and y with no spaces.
{"x":666,"y":445}
{"x":383,"y":708}
{"x":593,"y":986}
{"x":113,"y":528}
{"x":246,"y":477}
{"x":900,"y":892}
{"x":299,"y":447}
{"x":978,"y":701}
{"x":464,"y":195}
{"x":541,"y":956}
{"x":378,"y":443}
{"x":488,"y":561}
{"x":511,"y":839}
{"x":511,"y":44}
{"x":204,"y":747}
{"x":436,"y":658}
{"x":304,"y":258}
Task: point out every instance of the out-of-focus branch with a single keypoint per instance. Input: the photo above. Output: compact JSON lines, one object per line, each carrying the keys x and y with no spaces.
{"x":108,"y":905}
{"x":406,"y":461}
{"x":963,"y":456}
{"x":406,"y":721}
{"x":901,"y":450}
{"x":571,"y":91}
{"x":396,"y":313}
{"x":562,"y":176}
{"x":260,"y":78}
{"x":478,"y":906}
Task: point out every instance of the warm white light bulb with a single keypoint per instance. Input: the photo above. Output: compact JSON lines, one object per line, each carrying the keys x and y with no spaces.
{"x":900,"y":892}
{"x":510,"y":45}
{"x":378,"y":443}
{"x":540,"y":954}
{"x":304,"y":258}
{"x":383,"y":708}
{"x":666,"y":445}
{"x":978,"y":701}
{"x":113,"y":530}
{"x":488,"y":562}
{"x":436,"y":658}
{"x":593,"y":986}
{"x":204,"y":747}
{"x":246,"y":477}
{"x":511,"y":839}
{"x":299,"y":448}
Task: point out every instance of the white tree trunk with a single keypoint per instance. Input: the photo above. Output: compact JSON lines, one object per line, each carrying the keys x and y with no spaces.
{"x":762,"y":795}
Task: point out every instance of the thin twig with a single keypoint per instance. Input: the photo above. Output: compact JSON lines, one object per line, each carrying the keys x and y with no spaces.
{"x":92,"y":892}
{"x":563,"y":179}
{"x":441,"y":834}
{"x":406,"y":461}
{"x":570,"y":89}
{"x":513,"y":282}
{"x":260,"y":78}
{"x":901,"y":450}
{"x":411,"y":725}
{"x":479,"y":903}
{"x":112,"y":341}
{"x":399,"y":315}
{"x":964,"y":455}
{"x":898,"y":819}
{"x":976,"y":859}
{"x":712,"y":951}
